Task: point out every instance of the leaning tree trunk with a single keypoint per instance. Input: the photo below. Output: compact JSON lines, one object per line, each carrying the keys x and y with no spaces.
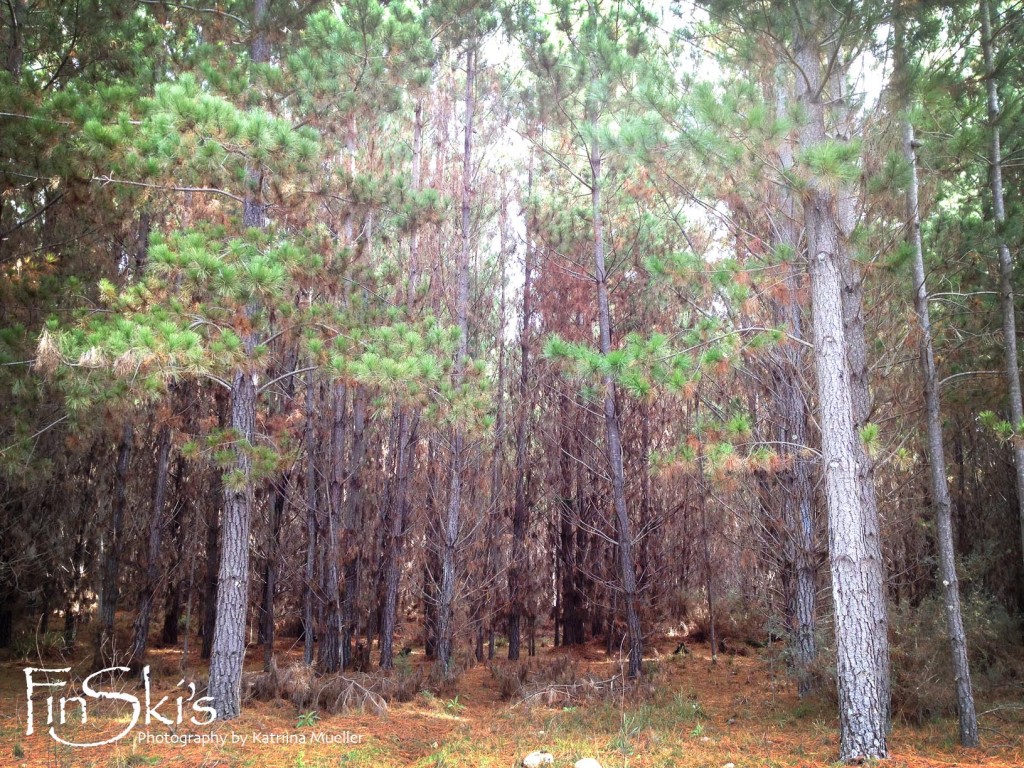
{"x":624,"y":543}
{"x":855,"y":552}
{"x":936,"y":452}
{"x":1006,"y":293}
{"x":112,"y":554}
{"x":450,"y":529}
{"x":152,"y":575}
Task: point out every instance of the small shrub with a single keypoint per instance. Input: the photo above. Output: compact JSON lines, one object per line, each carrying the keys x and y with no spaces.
{"x":922,"y":675}
{"x":308,"y":719}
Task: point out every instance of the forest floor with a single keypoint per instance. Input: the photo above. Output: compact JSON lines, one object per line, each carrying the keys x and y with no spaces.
{"x":739,"y":711}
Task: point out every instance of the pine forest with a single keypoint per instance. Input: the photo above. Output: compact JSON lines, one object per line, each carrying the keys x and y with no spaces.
{"x":511,"y":383}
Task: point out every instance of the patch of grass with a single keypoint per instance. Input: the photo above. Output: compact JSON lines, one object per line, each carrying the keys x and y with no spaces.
{"x":367,"y":754}
{"x":133,"y":759}
{"x":453,"y":753}
{"x":301,"y":762}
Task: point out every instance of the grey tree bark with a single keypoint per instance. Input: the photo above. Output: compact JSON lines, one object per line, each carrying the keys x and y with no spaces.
{"x":1006,"y":293}
{"x":450,"y":528}
{"x":855,"y":552}
{"x":352,"y":517}
{"x":147,"y":594}
{"x":624,"y":536}
{"x":933,"y":417}
{"x":228,"y":653}
{"x":110,"y":573}
{"x":483,"y":610}
{"x":520,"y":510}
{"x":312,"y":531}
{"x":797,"y":497}
{"x":394,"y":546}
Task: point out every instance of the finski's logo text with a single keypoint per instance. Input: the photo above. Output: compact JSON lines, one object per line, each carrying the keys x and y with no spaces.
{"x":152,"y":713}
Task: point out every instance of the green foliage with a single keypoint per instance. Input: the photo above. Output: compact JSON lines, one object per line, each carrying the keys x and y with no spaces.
{"x":832,"y":163}
{"x":307,"y":719}
{"x":869,"y":436}
{"x":1001,"y":427}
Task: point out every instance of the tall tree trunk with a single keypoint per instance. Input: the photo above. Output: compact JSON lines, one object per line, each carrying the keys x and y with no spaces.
{"x":855,"y":552}
{"x":450,"y":529}
{"x":624,"y":536}
{"x":272,"y":566}
{"x":279,"y":487}
{"x":152,"y":575}
{"x":495,"y":504}
{"x":797,"y":496}
{"x":213,"y":514}
{"x":228,"y":654}
{"x":332,"y":656}
{"x":213,"y":518}
{"x":1006,"y":293}
{"x":109,"y":586}
{"x":406,"y":441}
{"x":352,"y":518}
{"x":309,"y":574}
{"x":705,"y":535}
{"x":933,"y":417}
{"x":521,"y":510}
{"x":172,"y":604}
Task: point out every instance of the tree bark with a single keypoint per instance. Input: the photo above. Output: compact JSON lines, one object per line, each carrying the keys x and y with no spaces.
{"x":407,"y":424}
{"x":936,"y":452}
{"x":331,"y":653}
{"x":624,"y":543}
{"x":495,"y":504}
{"x":351,"y":520}
{"x":1006,"y":293}
{"x":309,"y":574}
{"x":228,"y":653}
{"x":271,"y":568}
{"x":450,"y":529}
{"x":172,"y":604}
{"x":520,"y":510}
{"x":213,"y":513}
{"x":797,"y":497}
{"x":109,"y":589}
{"x":147,"y":594}
{"x":855,"y":554}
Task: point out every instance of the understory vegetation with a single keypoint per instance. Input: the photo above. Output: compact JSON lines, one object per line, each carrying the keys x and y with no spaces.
{"x":501,"y":376}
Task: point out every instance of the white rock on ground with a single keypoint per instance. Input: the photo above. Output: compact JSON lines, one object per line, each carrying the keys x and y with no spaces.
{"x":537,"y":759}
{"x":587,"y":762}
